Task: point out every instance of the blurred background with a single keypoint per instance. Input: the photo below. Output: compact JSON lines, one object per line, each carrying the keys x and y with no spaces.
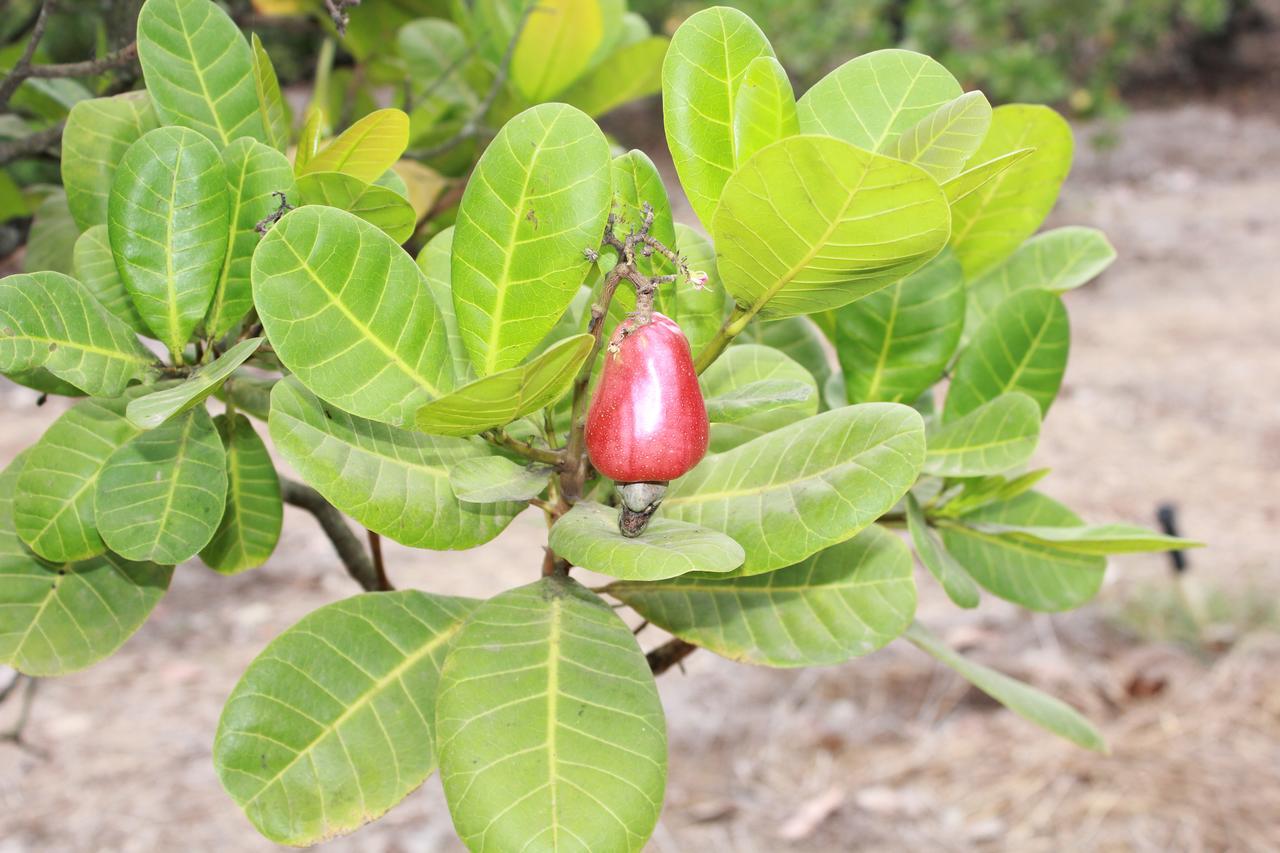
{"x":1170,"y":400}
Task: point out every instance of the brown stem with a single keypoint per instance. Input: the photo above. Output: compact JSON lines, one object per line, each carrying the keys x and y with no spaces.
{"x":498,"y":438}
{"x":350,"y":550}
{"x":379,"y":567}
{"x":669,"y":654}
{"x":22,"y":68}
{"x":36,"y":143}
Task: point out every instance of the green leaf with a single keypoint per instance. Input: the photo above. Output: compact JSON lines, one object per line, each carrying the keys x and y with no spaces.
{"x":985,"y":490}
{"x":434,"y":261}
{"x":1024,"y":700}
{"x":347,"y":313}
{"x":250,"y":525}
{"x":872,"y":99}
{"x":636,"y":181}
{"x":309,"y":137}
{"x":272,"y":107}
{"x":798,"y":338}
{"x":550,"y":732}
{"x":805,"y":487}
{"x":334,"y":723}
{"x":895,"y":343}
{"x":812,"y":223}
{"x":1094,"y":538}
{"x":987,"y":225}
{"x":490,"y":479}
{"x":633,"y":71}
{"x":249,"y":393}
{"x":943,"y":141}
{"x":56,"y":618}
{"x":538,"y":198}
{"x":841,"y":603}
{"x":706,"y":63}
{"x":502,"y":397}
{"x":98,"y":133}
{"x":380,"y":206}
{"x":588,"y":536}
{"x":764,"y":109}
{"x":1056,"y":260}
{"x":54,"y":502}
{"x":199,"y":69}
{"x":50,"y":320}
{"x":971,"y":180}
{"x":1022,"y":346}
{"x":168,"y":225}
{"x":699,"y":313}
{"x":152,"y":410}
{"x":366,"y":149}
{"x":556,"y":47}
{"x":254,"y":172}
{"x":435,"y":53}
{"x":955,"y":581}
{"x":752,"y":390}
{"x":95,"y":268}
{"x":52,"y":238}
{"x":394,"y":482}
{"x":161,"y":496}
{"x":998,"y":435}
{"x":1035,"y":575}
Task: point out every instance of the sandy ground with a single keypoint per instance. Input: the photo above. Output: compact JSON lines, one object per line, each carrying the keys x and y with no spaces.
{"x":1170,"y":397}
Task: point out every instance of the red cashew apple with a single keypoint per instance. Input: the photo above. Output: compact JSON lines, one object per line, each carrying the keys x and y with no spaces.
{"x":648,"y":423}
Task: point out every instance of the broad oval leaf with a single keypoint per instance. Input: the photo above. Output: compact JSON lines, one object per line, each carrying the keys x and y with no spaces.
{"x":98,"y":132}
{"x":250,"y":525}
{"x":943,"y":141}
{"x":365,"y":150}
{"x":277,"y":120}
{"x":972,"y":179}
{"x":812,"y":223}
{"x":502,"y":397}
{"x":799,"y":339}
{"x":588,"y":536}
{"x":993,"y":221}
{"x":490,"y":479}
{"x":161,"y":496}
{"x":1035,"y":575}
{"x":52,"y":238}
{"x":752,"y":390}
{"x":349,"y":314}
{"x":152,"y":410}
{"x":199,"y":69}
{"x":1000,"y":434}
{"x":56,"y":618}
{"x":394,"y":482}
{"x":550,"y":732}
{"x":334,"y":723}
{"x":383,"y":207}
{"x":872,"y":99}
{"x":895,"y":343}
{"x":435,"y":53}
{"x":707,"y":60}
{"x":434,"y":261}
{"x":805,"y":487}
{"x":840,"y":603}
{"x":556,"y":47}
{"x":95,"y":268}
{"x":632,"y":71}
{"x":1022,"y":346}
{"x":49,"y":320}
{"x":955,"y":581}
{"x":168,"y":224}
{"x":255,"y":172}
{"x":764,"y":108}
{"x":538,"y":199}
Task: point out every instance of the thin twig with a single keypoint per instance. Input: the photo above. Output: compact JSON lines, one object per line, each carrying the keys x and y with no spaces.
{"x":669,"y":654}
{"x":37,"y":143}
{"x":337,"y":10}
{"x":22,"y":67}
{"x":125,"y":56}
{"x":276,"y":215}
{"x":379,"y":567}
{"x":349,"y":547}
{"x":15,"y":734}
{"x":498,"y":438}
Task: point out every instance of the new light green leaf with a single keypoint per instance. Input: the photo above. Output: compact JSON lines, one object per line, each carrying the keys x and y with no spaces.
{"x":347,"y":312}
{"x":942,"y":142}
{"x":250,"y":525}
{"x":895,"y":343}
{"x":255,"y":172}
{"x":976,"y":177}
{"x":805,"y":487}
{"x":1000,"y":434}
{"x":764,"y":109}
{"x":1022,"y":346}
{"x":161,"y":496}
{"x":811,"y":223}
{"x":49,"y":320}
{"x":1094,"y":538}
{"x":393,"y":481}
{"x":872,"y":99}
{"x":366,"y":149}
{"x":838,"y":604}
{"x":987,"y":225}
{"x":588,"y":536}
{"x":502,"y":397}
{"x":152,"y":410}
{"x":490,"y":479}
{"x":556,"y":47}
{"x":168,"y":224}
{"x":98,"y":133}
{"x":56,"y":618}
{"x":95,"y":268}
{"x":955,"y":581}
{"x":549,"y":729}
{"x":705,"y":64}
{"x":199,"y":69}
{"x":699,"y":312}
{"x":633,"y":71}
{"x":1036,"y":575}
{"x":434,"y":261}
{"x":752,"y":390}
{"x":1024,"y":700}
{"x":277,"y":120}
{"x":985,"y":490}
{"x":538,"y":199}
{"x":380,"y":206}
{"x":334,"y":723}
